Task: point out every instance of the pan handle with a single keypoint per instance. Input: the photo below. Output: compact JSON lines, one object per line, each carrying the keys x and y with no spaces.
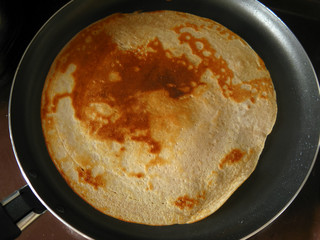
{"x":18,"y":211}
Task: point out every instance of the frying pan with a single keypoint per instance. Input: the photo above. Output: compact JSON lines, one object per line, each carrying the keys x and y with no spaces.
{"x":284,"y":165}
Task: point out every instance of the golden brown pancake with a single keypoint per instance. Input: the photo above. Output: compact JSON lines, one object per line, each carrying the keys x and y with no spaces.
{"x":157,"y":117}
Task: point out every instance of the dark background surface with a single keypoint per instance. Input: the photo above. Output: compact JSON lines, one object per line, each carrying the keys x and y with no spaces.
{"x":20,"y":20}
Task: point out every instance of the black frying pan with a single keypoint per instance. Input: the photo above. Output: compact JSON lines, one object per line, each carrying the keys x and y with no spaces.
{"x":284,"y":165}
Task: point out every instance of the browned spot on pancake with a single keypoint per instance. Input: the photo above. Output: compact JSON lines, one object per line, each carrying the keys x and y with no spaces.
{"x":233,"y":157}
{"x":188,"y":25}
{"x":185,"y":202}
{"x":150,"y":186}
{"x":45,"y":102}
{"x":156,"y":161}
{"x":258,"y":88}
{"x":120,"y":152}
{"x":224,"y":31}
{"x":202,"y":195}
{"x":137,"y":175}
{"x":57,"y":98}
{"x":49,"y":123}
{"x":85,"y":176}
{"x":132,"y":174}
{"x":188,"y":202}
{"x":212,"y":177}
{"x":154,"y":145}
{"x":85,"y":161}
{"x":262,"y":87}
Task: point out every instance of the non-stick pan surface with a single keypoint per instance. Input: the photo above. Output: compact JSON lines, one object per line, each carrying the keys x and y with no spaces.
{"x":284,"y":165}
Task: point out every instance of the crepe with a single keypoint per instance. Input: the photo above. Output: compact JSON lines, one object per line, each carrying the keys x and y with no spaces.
{"x":157,"y":117}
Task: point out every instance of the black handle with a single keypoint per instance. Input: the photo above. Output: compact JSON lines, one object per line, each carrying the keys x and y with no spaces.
{"x":17,"y":211}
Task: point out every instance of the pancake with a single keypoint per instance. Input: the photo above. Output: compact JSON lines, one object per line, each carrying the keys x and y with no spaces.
{"x":157,"y":117}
